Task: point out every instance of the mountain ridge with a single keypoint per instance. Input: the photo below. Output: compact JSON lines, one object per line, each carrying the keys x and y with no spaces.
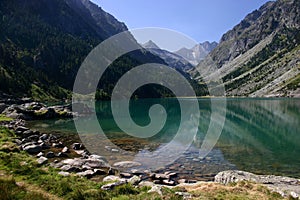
{"x":258,"y":52}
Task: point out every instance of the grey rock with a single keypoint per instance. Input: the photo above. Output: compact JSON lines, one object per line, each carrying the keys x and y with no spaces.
{"x":65,"y":150}
{"x":64,"y":173}
{"x":77,"y":146}
{"x":94,"y":156}
{"x":40,"y":154}
{"x":50,"y":154}
{"x":99,"y":172}
{"x":21,"y":128}
{"x":126,"y":175}
{"x":33,"y":137}
{"x":169,"y":182}
{"x":135,"y":180}
{"x":61,"y":155}
{"x":157,"y":189}
{"x":44,"y":146}
{"x":111,"y":186}
{"x":87,"y":173}
{"x":33,"y":149}
{"x":28,"y":133}
{"x":184,"y":195}
{"x":42,"y":160}
{"x":44,"y":137}
{"x":146,"y":184}
{"x":111,"y":178}
{"x":96,"y":163}
{"x":58,"y":145}
{"x":282,"y":185}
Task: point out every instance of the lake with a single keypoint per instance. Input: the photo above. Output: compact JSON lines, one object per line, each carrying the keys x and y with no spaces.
{"x":259,"y":135}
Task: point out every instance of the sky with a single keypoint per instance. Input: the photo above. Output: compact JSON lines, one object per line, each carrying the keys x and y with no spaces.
{"x":202,"y":20}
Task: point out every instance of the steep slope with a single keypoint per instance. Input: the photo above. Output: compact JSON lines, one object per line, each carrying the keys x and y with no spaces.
{"x":197,"y":53}
{"x":260,"y":55}
{"x":44,"y":42}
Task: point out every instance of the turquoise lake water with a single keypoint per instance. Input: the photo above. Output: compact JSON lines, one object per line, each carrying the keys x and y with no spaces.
{"x":259,"y":135}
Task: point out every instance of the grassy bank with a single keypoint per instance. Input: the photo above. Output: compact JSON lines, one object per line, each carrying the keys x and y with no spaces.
{"x":22,"y":178}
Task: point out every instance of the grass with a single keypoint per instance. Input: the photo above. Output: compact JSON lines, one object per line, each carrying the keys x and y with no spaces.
{"x":22,"y":178}
{"x":3,"y":118}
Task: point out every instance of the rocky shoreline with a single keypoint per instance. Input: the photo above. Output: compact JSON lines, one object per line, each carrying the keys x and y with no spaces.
{"x":75,"y":160}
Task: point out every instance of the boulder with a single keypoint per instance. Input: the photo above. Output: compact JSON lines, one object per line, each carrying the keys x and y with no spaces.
{"x":110,"y":186}
{"x":50,"y":154}
{"x":111,"y":178}
{"x":282,"y":185}
{"x":42,"y":160}
{"x":33,"y":149}
{"x":156,"y":189}
{"x":87,"y":173}
{"x":64,"y":173}
{"x":96,"y":163}
{"x":135,"y":180}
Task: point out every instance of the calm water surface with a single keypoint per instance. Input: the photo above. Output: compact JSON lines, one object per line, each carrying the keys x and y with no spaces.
{"x":260,"y":135}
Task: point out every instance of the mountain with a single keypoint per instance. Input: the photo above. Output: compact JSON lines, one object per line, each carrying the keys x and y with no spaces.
{"x":260,"y":55}
{"x":197,"y":53}
{"x":43,"y":43}
{"x":173,"y":60}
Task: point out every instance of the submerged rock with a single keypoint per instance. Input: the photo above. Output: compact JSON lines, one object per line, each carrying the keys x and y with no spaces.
{"x":127,"y":164}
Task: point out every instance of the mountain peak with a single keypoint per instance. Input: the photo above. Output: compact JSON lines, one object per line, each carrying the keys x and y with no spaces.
{"x":150,"y":45}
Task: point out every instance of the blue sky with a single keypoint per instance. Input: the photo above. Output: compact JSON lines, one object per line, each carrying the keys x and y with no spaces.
{"x":202,"y":20}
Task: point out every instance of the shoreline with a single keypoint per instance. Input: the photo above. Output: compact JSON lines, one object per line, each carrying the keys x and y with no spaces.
{"x":75,"y":160}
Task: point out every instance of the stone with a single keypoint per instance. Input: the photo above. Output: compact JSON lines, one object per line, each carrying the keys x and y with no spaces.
{"x":21,"y":128}
{"x":96,"y":163}
{"x":88,"y":173}
{"x":33,"y":149}
{"x":77,"y":146}
{"x":111,"y":178}
{"x":50,"y":154}
{"x":156,"y":189}
{"x":58,"y":145}
{"x":77,"y":162}
{"x":110,"y":186}
{"x":111,"y":171}
{"x":127,"y":164}
{"x":33,"y":138}
{"x":61,"y":155}
{"x":70,"y":168}
{"x":65,"y":150}
{"x":64,"y":173}
{"x":44,"y":137}
{"x":94,"y":156}
{"x":40,"y":154}
{"x":28,"y":133}
{"x":146,"y":184}
{"x":294,"y":195}
{"x":42,"y":160}
{"x":44,"y":146}
{"x":184,"y":195}
{"x":126,"y":175}
{"x":135,"y":180}
{"x":282,"y":185}
{"x":99,"y":172}
{"x":169,"y":182}
{"x":114,"y":150}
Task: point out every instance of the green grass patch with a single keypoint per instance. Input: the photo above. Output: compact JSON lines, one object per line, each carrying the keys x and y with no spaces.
{"x":3,"y":118}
